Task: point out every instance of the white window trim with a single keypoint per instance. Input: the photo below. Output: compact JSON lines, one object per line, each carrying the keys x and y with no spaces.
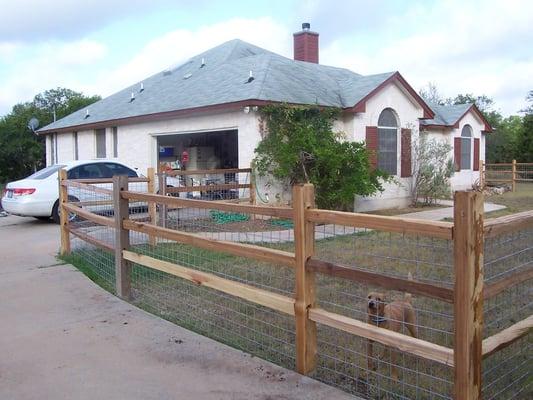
{"x":471,"y":140}
{"x":398,"y":138}
{"x":95,"y":136}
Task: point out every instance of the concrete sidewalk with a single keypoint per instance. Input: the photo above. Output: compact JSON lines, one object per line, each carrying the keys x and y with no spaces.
{"x":63,"y":337}
{"x":447,"y":212}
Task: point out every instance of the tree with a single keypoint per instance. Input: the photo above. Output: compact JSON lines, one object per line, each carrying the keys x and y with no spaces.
{"x":525,"y":140}
{"x":504,"y":143}
{"x":432,"y":169}
{"x":299,"y":145}
{"x":21,"y":151}
{"x":431,"y":94}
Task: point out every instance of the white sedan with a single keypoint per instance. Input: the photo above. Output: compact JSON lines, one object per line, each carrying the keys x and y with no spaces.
{"x":38,"y":194}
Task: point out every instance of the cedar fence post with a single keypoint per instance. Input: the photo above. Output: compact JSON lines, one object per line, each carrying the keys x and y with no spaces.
{"x":63,"y":214}
{"x":514,"y":176}
{"x":468,"y":294}
{"x":122,"y":238}
{"x":303,"y":197}
{"x":252,"y":188}
{"x":152,"y":210}
{"x":481,"y":174}
{"x":163,"y":192}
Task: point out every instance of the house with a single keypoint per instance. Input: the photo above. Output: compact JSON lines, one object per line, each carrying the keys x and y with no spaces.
{"x":208,"y":105}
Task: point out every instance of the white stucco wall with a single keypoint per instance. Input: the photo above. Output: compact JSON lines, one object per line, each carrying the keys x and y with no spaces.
{"x":396,"y":194}
{"x":464,"y":179}
{"x":137,"y":143}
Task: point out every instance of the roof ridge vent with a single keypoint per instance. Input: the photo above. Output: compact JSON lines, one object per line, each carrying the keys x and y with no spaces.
{"x":202,"y":63}
{"x":167,"y":72}
{"x":187,"y":75}
{"x":250,"y":77}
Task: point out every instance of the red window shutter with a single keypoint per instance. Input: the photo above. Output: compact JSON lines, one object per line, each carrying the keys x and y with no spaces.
{"x":406,"y":153}
{"x":457,"y":153}
{"x":476,"y":154}
{"x":372,"y":145}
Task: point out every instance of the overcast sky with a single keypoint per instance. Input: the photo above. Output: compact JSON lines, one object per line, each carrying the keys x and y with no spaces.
{"x":101,"y":46}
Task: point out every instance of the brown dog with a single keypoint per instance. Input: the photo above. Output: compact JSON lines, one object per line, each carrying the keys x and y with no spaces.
{"x":391,"y":316}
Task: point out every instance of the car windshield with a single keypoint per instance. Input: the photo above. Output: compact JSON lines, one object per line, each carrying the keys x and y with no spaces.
{"x":46,"y":172}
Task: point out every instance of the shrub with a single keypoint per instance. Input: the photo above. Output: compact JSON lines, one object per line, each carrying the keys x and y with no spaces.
{"x":299,"y":145}
{"x":432,"y":170}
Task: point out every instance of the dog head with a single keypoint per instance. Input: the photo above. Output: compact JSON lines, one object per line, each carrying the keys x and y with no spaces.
{"x":376,"y":304}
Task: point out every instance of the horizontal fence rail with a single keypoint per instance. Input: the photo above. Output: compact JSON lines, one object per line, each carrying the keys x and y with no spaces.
{"x":390,"y":338}
{"x":238,"y":208}
{"x":302,"y":301}
{"x":436,"y":229}
{"x":375,"y":279}
{"x":507,"y":173}
{"x":268,"y":299}
{"x":207,"y":171}
{"x":237,"y":249}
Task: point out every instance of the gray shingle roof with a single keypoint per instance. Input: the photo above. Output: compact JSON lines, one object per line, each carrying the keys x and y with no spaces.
{"x":223,"y":79}
{"x":446,"y":115}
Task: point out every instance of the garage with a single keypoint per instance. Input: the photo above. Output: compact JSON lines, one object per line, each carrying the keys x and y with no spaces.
{"x":199,"y":151}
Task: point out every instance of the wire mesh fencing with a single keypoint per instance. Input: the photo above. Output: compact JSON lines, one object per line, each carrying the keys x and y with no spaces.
{"x":213,"y":185}
{"x":508,"y":258}
{"x":347,"y":361}
{"x":350,"y":361}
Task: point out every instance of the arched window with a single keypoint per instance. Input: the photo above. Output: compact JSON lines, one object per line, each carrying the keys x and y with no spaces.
{"x":466,"y":147}
{"x":388,"y":141}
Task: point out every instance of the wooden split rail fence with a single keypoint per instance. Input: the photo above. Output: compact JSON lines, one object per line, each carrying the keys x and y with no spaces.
{"x":467,"y":294}
{"x":510,"y":173}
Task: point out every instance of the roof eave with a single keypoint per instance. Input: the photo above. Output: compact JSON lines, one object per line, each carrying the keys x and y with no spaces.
{"x":360,"y":106}
{"x":156,"y":116}
{"x":473,"y":107}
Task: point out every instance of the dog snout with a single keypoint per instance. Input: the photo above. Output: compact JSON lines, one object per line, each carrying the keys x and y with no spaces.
{"x":371,"y":304}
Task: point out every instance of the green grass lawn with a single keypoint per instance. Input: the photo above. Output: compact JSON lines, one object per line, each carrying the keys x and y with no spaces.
{"x":518,"y":201}
{"x":390,"y":212}
{"x":270,"y":335}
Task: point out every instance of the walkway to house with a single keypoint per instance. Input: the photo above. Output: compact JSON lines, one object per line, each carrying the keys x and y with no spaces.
{"x":447,"y":212}
{"x":63,"y":337}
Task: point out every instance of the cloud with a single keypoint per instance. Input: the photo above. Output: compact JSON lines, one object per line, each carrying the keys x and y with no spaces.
{"x":346,"y":18}
{"x":479,"y":48}
{"x":34,"y":69}
{"x":462,"y":47}
{"x":81,"y":65}
{"x":38,"y":20}
{"x":177,"y":46}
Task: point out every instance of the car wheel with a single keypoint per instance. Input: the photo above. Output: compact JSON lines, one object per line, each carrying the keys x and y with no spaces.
{"x":56,"y":213}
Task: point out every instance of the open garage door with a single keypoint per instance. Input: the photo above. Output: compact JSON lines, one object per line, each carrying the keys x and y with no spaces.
{"x":199,"y":151}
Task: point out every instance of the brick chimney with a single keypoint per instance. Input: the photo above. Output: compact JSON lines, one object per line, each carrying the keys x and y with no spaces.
{"x":306,"y":44}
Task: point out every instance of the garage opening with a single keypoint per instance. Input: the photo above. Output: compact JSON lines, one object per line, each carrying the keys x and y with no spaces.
{"x":199,"y":151}
{"x":203,"y":166}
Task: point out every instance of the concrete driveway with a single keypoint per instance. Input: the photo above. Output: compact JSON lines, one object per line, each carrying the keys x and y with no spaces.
{"x":63,"y":337}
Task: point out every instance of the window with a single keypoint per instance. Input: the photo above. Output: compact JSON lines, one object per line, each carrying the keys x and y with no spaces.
{"x":87,"y":171}
{"x":75,"y":140}
{"x":111,"y":169}
{"x":115,"y":142}
{"x":100,"y":143}
{"x":466,"y":147}
{"x":46,"y":172}
{"x":388,"y":142}
{"x":53,"y":148}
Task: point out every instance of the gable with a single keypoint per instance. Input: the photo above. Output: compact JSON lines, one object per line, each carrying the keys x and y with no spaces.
{"x":408,"y":91}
